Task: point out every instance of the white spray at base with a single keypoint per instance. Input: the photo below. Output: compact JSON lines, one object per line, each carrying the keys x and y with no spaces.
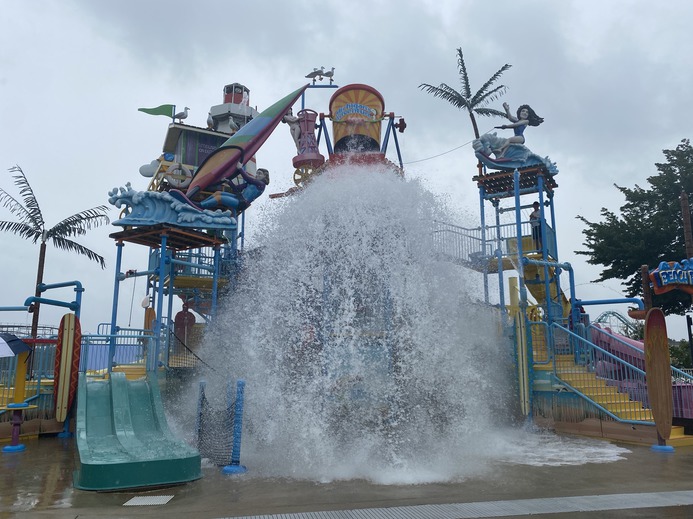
{"x":364,"y":355}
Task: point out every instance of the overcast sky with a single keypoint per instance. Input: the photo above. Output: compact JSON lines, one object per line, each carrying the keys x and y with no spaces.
{"x":611,"y":79}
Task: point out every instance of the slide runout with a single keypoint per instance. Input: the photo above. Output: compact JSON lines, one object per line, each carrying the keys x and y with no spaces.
{"x":124,"y":440}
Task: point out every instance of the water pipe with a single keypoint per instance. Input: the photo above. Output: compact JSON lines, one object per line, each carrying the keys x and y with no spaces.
{"x":135,"y":274}
{"x":74,"y":305}
{"x":482,"y":197}
{"x":114,"y":309}
{"x":328,"y":143}
{"x":623,"y":300}
{"x":518,"y":224}
{"x":236,"y":406}
{"x":153,"y":355}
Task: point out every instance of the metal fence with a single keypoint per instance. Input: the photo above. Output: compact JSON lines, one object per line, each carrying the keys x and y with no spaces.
{"x":472,"y":246}
{"x":682,"y":381}
{"x":612,"y":384}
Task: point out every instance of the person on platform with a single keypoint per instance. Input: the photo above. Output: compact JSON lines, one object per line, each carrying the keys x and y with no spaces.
{"x":525,"y":117}
{"x":535,"y":222}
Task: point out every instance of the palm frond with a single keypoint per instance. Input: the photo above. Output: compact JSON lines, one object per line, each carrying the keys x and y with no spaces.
{"x":491,"y":81}
{"x":78,"y":224}
{"x":490,"y":112}
{"x":464,"y":77}
{"x":489,"y":96}
{"x":14,"y":206}
{"x":71,"y":246}
{"x":30,"y":202}
{"x":21,"y":229}
{"x":447,"y":93}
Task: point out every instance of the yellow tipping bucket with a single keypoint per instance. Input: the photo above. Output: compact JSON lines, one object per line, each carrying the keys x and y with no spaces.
{"x":356,"y":112}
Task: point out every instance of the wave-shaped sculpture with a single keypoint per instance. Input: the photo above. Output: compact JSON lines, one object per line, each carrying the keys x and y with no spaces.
{"x":145,"y":208}
{"x":517,"y":156}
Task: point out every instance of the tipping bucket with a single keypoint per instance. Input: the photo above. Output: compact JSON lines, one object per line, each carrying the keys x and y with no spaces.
{"x":356,"y":112}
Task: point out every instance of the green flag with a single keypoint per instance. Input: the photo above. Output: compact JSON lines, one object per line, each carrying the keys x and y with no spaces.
{"x":167,"y":110}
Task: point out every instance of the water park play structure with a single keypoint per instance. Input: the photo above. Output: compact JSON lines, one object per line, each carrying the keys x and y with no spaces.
{"x":572,"y":375}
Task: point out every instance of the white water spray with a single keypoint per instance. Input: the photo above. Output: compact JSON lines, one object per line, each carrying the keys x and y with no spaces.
{"x":365,"y":356}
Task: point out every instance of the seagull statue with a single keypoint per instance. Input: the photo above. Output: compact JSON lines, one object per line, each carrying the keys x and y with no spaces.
{"x":182,"y":115}
{"x":329,"y":74}
{"x":317,"y":73}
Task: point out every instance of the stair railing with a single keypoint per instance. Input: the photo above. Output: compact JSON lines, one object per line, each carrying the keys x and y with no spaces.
{"x":612,"y":385}
{"x":682,"y":382}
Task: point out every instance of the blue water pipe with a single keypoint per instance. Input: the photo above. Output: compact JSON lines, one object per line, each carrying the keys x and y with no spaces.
{"x":303,"y":95}
{"x":75,"y":305}
{"x":153,"y":353}
{"x":114,"y":308}
{"x":391,"y":129}
{"x":482,"y":198}
{"x":518,"y":227}
{"x":328,"y":143}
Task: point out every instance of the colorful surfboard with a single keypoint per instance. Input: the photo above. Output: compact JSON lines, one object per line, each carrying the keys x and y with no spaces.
{"x":241,"y":146}
{"x":658,"y":372}
{"x":66,"y":365}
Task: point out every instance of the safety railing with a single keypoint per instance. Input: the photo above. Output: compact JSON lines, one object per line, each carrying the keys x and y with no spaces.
{"x":616,"y":345}
{"x":38,"y":386}
{"x":471,"y":247}
{"x":681,"y":381}
{"x":460,"y":244}
{"x":611,"y":384}
{"x":130,"y":347}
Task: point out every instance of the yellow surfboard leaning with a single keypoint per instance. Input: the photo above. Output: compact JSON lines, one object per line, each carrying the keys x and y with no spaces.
{"x":66,"y":365}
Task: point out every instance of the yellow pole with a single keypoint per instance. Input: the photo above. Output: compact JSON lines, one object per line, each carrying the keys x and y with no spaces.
{"x":520,"y":344}
{"x":20,"y":378}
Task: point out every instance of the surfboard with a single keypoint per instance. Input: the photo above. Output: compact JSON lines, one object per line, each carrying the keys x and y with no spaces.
{"x":66,"y":371}
{"x":658,"y":372}
{"x":241,"y":146}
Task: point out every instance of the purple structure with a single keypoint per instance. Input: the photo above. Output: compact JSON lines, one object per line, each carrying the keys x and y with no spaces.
{"x":308,"y":154}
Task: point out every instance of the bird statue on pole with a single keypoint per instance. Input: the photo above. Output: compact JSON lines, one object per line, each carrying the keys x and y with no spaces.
{"x":317,"y":73}
{"x":182,"y":115}
{"x":329,"y":74}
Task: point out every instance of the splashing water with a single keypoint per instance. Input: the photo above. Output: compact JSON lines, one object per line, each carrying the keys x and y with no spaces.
{"x":365,"y":356}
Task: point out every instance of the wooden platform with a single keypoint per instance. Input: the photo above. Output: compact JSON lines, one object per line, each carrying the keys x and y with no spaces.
{"x":501,"y":184}
{"x":176,"y":237}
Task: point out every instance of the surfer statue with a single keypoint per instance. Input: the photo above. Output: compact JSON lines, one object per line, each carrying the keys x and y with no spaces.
{"x":499,"y":153}
{"x":525,"y":117}
{"x":241,"y":196}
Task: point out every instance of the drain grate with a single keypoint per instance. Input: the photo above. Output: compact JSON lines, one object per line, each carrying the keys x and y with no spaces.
{"x":148,"y":500}
{"x":517,"y":507}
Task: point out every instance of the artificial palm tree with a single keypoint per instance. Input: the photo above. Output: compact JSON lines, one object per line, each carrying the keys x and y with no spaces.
{"x":474,"y":104}
{"x":31,"y":226}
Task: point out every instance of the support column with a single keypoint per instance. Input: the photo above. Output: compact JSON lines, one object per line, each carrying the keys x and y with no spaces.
{"x":114,"y":310}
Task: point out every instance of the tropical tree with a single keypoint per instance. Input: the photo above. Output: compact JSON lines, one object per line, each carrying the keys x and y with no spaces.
{"x":648,"y":230}
{"x":31,"y":226}
{"x":680,"y":354}
{"x":464,"y":99}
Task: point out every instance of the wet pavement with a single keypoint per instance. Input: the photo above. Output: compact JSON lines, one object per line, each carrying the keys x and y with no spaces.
{"x":38,"y":483}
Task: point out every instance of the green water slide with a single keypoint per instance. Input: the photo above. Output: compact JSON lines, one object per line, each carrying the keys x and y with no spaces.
{"x":123,"y":438}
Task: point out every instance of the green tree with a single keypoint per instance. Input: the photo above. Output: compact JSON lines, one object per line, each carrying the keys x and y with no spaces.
{"x":648,"y":230}
{"x":30,"y":225}
{"x":680,"y":354}
{"x":464,"y":99}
